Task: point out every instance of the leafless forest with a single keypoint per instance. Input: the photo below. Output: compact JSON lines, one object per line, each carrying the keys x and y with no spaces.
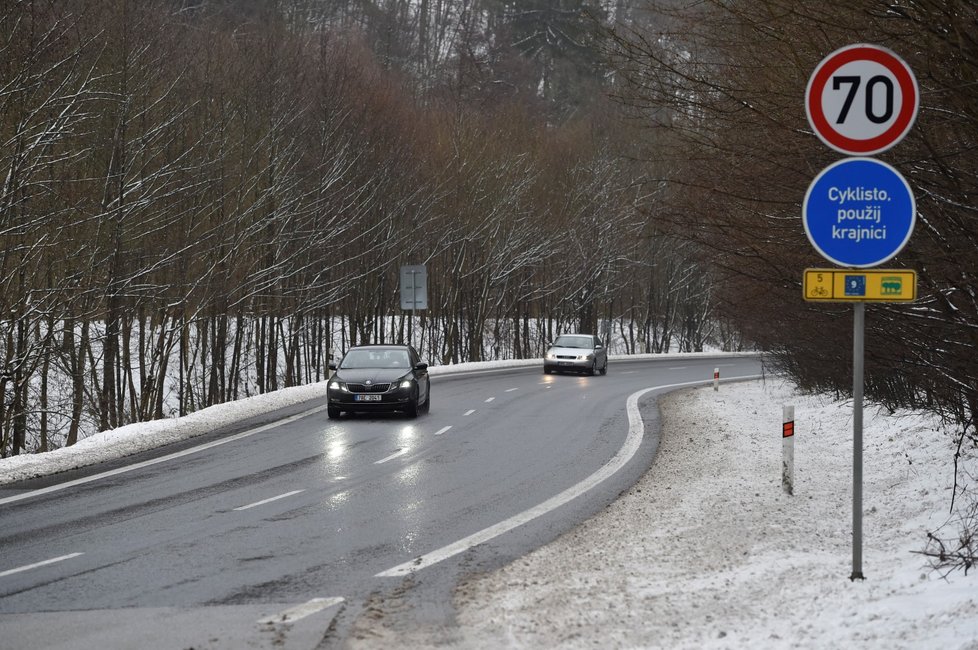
{"x":203,"y":199}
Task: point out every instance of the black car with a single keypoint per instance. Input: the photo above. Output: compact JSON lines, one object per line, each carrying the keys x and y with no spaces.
{"x":373,"y":378}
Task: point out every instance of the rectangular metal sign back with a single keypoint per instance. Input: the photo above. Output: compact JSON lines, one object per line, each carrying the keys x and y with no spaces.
{"x":414,"y":287}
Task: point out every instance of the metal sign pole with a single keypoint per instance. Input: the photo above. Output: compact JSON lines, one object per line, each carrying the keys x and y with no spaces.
{"x":414,"y":306}
{"x":858,"y":332}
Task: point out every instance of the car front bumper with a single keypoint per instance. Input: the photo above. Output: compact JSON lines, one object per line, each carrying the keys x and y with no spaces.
{"x":568,"y":364}
{"x":394,"y":400}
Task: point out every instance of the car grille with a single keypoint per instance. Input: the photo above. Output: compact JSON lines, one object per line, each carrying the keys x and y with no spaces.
{"x":567,"y":356}
{"x":373,"y":388}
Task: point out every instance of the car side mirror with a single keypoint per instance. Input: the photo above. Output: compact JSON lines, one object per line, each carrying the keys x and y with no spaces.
{"x":331,"y":365}
{"x":598,"y":346}
{"x":422,"y":365}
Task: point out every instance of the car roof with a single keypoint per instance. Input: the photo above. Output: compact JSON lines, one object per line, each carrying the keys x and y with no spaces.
{"x":380,"y":346}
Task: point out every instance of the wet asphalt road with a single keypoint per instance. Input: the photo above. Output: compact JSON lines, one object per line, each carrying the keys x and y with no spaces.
{"x":314,"y":522}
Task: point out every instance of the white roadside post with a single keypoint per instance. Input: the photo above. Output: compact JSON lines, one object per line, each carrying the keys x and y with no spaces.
{"x":716,"y":379}
{"x":788,"y":449}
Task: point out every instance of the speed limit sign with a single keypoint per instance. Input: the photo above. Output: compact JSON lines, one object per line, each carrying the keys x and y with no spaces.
{"x":862,"y":99}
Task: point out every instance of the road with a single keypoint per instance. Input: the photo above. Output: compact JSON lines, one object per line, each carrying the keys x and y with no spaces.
{"x":302,"y":531}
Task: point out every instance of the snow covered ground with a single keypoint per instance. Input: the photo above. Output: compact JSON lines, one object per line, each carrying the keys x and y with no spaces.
{"x":706,"y":550}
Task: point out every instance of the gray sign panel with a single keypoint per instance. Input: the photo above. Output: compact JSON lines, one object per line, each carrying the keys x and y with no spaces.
{"x":414,"y":287}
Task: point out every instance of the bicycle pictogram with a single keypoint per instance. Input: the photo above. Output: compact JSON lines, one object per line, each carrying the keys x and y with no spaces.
{"x":819,"y":292}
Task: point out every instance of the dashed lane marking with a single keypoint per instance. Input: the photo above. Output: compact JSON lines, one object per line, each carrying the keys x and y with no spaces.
{"x":264,"y":501}
{"x":37,"y":565}
{"x":399,"y":452}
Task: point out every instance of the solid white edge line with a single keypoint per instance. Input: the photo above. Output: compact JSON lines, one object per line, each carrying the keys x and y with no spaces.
{"x":161,"y":459}
{"x":443,"y":430}
{"x":636,"y":430}
{"x":36,"y":565}
{"x":264,"y":501}
{"x":399,"y":452}
{"x":299,"y":612}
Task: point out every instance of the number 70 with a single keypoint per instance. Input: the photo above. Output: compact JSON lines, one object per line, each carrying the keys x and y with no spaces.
{"x":870,"y":94}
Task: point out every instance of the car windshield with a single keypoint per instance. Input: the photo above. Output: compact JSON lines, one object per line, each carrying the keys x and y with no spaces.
{"x":376,"y":359}
{"x":583,"y":342}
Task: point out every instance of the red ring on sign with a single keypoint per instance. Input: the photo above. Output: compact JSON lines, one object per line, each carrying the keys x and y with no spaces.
{"x":824,"y":72}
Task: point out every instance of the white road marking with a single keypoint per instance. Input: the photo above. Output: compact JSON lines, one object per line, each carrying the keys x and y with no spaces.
{"x":469,"y":412}
{"x":299,"y":612}
{"x":490,"y":399}
{"x":679,"y":368}
{"x":399,"y":452}
{"x":510,"y":390}
{"x":264,"y":501}
{"x":633,"y":440}
{"x":443,"y":430}
{"x":28,"y":567}
{"x":161,"y":459}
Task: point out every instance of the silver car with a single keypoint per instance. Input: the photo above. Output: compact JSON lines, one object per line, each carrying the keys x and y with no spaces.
{"x":577,"y":352}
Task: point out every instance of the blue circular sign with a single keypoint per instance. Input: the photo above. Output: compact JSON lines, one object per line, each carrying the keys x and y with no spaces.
{"x":859,"y":212}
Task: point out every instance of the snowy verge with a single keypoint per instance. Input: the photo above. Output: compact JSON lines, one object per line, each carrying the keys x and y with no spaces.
{"x":707,"y":551}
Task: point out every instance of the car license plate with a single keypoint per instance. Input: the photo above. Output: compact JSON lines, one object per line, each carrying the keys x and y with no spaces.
{"x":367,"y":398}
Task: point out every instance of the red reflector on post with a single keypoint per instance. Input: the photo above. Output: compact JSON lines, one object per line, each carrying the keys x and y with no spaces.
{"x":787,"y":429}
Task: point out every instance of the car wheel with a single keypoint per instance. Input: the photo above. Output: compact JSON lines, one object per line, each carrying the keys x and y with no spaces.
{"x":604,"y":368}
{"x":593,"y":370}
{"x":427,"y":402}
{"x":332,"y":412}
{"x":547,"y":371}
{"x":412,"y":408}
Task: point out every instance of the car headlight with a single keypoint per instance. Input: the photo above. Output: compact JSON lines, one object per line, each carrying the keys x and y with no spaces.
{"x":407,"y":382}
{"x":551,"y":355}
{"x":337,"y":385}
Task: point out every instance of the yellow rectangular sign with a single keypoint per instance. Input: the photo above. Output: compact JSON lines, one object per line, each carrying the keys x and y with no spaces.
{"x":860,"y":285}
